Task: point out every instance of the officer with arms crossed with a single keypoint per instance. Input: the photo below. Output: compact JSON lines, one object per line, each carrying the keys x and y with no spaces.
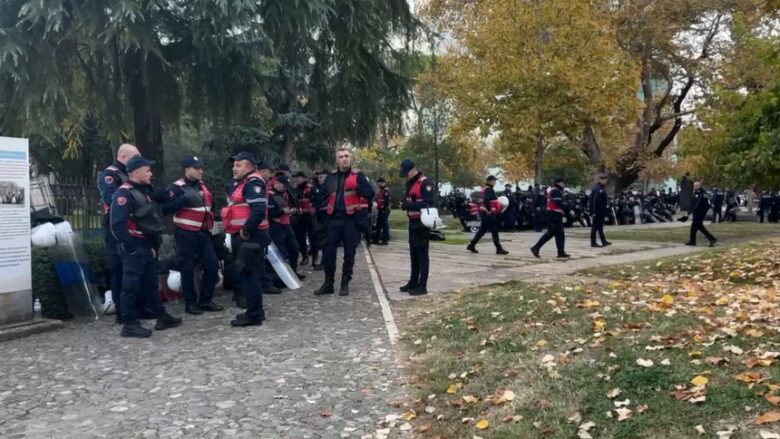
{"x":419,"y":195}
{"x":108,"y":181}
{"x":348,"y":192}
{"x":194,"y":221}
{"x":246,"y":218}
{"x":137,"y":223}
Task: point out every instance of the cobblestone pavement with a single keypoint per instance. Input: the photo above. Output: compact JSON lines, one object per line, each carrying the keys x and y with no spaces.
{"x":318,"y":368}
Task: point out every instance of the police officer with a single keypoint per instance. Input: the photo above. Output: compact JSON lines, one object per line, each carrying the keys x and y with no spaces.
{"x":246,"y":218}
{"x":382,"y":230}
{"x":305,"y":223}
{"x":556,"y":211}
{"x":540,"y":206}
{"x":764,"y":206}
{"x":319,"y":230}
{"x":599,"y":201}
{"x":194,"y":221}
{"x":419,"y":195}
{"x":279,"y":213}
{"x":349,"y":193}
{"x":108,"y":182}
{"x":509,"y":216}
{"x":490,"y":210}
{"x":717,"y":205}
{"x":700,"y":205}
{"x":137,"y":229}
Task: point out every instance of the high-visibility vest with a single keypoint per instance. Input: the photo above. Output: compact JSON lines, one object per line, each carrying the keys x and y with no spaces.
{"x":473,"y":208}
{"x":305,"y":202}
{"x":122,"y":176}
{"x":552,"y":205}
{"x":415,"y":194}
{"x":352,"y":201}
{"x":234,"y":216}
{"x":284,"y":218}
{"x":196,"y":216}
{"x":381,"y":198}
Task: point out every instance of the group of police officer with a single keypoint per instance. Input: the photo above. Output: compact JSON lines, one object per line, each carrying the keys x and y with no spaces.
{"x":331,"y":212}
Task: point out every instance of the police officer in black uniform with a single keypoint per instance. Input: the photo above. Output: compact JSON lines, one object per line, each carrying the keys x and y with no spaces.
{"x":305,"y":221}
{"x":108,"y":182}
{"x":137,"y":224}
{"x":599,"y":201}
{"x":382,"y":229}
{"x":419,"y":195}
{"x":489,"y":213}
{"x":556,"y":211}
{"x":279,"y":213}
{"x":700,"y":205}
{"x":194,"y":220}
{"x":349,"y":192}
{"x":319,"y":198}
{"x":717,"y":205}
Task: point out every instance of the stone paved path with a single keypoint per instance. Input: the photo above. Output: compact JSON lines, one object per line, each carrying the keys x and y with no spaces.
{"x":314,"y":356}
{"x":453,"y":267}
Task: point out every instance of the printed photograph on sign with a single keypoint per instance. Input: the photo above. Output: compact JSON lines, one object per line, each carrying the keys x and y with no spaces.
{"x":11,"y":194}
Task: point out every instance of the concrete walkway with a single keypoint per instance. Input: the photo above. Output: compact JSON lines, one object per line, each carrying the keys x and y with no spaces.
{"x":453,"y":267}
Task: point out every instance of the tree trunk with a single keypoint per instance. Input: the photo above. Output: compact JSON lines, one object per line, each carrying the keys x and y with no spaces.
{"x":147,"y":123}
{"x":538,"y":157}
{"x":288,"y":153}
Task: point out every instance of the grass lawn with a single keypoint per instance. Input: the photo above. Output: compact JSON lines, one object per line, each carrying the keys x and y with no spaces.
{"x":664,"y":349}
{"x":724,"y":232}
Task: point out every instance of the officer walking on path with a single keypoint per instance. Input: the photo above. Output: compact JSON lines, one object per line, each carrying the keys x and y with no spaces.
{"x":137,"y":222}
{"x":556,"y":210}
{"x":700,"y":205}
{"x":382,"y":229}
{"x":599,"y":202}
{"x":246,"y":218}
{"x":419,"y":195}
{"x":489,"y":211}
{"x":108,"y":182}
{"x":348,"y":192}
{"x":194,"y":221}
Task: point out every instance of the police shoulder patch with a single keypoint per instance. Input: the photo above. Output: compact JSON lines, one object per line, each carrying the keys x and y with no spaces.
{"x":121,"y":201}
{"x":428,"y":188}
{"x":108,"y":179}
{"x":257,"y":189}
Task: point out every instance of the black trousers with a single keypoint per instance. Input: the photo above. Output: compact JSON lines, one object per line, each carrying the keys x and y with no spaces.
{"x":554,"y":230}
{"x":304,"y":228}
{"x":597,"y":227}
{"x":283,"y":236}
{"x":717,"y":214}
{"x":418,"y":253}
{"x":196,"y":246}
{"x":489,"y":223}
{"x":382,"y":231}
{"x":697,"y":225}
{"x":341,"y":230}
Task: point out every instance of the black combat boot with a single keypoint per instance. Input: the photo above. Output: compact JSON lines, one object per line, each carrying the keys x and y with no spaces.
{"x":193,"y":309}
{"x":344,"y":291}
{"x":167,"y":321}
{"x":501,"y":251}
{"x":326,"y":288}
{"x":211,"y":307}
{"x":135,"y":330}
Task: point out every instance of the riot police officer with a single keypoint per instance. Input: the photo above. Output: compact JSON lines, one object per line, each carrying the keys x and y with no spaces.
{"x":108,"y":182}
{"x":382,"y":229}
{"x":246,"y":218}
{"x":599,"y":201}
{"x":194,"y":221}
{"x":305,"y":223}
{"x":349,"y":193}
{"x":700,"y":205}
{"x":556,"y":211}
{"x":490,"y":210}
{"x":717,"y":205}
{"x":419,"y":195}
{"x":279,"y":214}
{"x":137,"y":223}
{"x":319,"y":230}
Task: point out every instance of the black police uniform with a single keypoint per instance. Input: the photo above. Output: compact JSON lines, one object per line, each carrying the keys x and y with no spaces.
{"x":282,"y":233}
{"x":319,"y":241}
{"x":304,"y":224}
{"x":342,"y":228}
{"x":700,"y":205}
{"x":195,"y":246}
{"x":717,"y":206}
{"x":764,"y":206}
{"x":488,"y":222}
{"x":382,"y":230}
{"x":599,"y":202}
{"x":555,"y":215}
{"x":419,"y":237}
{"x":540,"y":209}
{"x":139,"y":268}
{"x":108,"y":182}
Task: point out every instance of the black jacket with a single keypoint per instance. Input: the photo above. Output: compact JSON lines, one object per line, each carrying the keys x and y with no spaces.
{"x":700,"y":203}
{"x":598,"y":199}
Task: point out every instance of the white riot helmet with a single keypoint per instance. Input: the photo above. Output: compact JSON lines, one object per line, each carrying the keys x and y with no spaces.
{"x":44,"y":235}
{"x":504,"y":202}
{"x":430,"y":218}
{"x":174,"y":281}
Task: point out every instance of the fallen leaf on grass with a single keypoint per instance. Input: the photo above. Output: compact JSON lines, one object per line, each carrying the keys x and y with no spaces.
{"x":763,"y":434}
{"x":410,"y":415}
{"x":716,"y":361}
{"x":700,"y":381}
{"x":613,"y":393}
{"x":768,"y":417}
{"x":623,"y":413}
{"x":453,"y":388}
{"x":326,"y":413}
{"x":469,"y":399}
{"x":423,"y":428}
{"x":753,"y":362}
{"x":699,"y":429}
{"x":749,"y":377}
{"x":513,"y":418}
{"x":773,"y":399}
{"x":543,"y":403}
{"x":644,"y":363}
{"x":482,"y":424}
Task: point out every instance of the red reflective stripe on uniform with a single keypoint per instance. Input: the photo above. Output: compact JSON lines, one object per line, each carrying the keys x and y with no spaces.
{"x":552,"y":205}
{"x":195,"y":218}
{"x":415,"y":194}
{"x":495,"y":206}
{"x":238,"y":211}
{"x":352,"y":201}
{"x":473,"y":208}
